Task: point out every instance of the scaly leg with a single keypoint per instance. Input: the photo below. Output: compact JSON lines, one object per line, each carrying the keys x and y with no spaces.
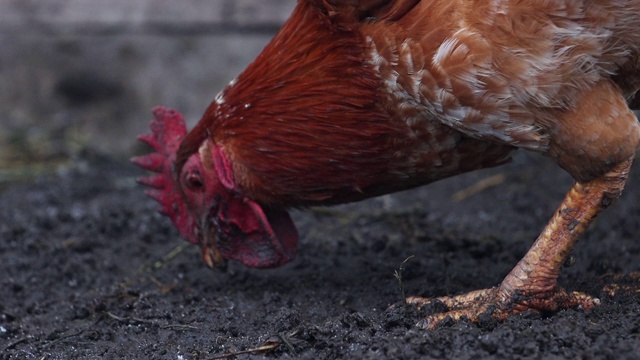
{"x":532,"y":284}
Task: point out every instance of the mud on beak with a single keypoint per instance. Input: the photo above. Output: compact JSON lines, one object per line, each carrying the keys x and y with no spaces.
{"x":210,"y":252}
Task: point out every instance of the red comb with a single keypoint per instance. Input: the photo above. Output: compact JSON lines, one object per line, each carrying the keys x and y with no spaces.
{"x":168,"y":131}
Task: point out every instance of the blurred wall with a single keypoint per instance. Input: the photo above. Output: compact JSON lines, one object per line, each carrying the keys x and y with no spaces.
{"x":84,"y":74}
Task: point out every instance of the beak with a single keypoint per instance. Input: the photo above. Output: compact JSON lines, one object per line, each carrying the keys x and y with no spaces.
{"x":210,"y":252}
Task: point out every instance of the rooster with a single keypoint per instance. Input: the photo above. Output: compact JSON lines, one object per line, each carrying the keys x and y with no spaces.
{"x":354,"y":99}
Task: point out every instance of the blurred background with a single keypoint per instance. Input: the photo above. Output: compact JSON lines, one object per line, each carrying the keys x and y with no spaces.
{"x":78,"y":78}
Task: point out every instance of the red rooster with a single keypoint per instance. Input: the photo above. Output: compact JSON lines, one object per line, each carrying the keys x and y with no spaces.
{"x":354,"y":99}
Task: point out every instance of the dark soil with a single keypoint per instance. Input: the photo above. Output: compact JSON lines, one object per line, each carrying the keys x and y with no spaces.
{"x":90,"y":270}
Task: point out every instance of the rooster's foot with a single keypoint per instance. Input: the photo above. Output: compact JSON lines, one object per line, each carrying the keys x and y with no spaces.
{"x":481,"y":305}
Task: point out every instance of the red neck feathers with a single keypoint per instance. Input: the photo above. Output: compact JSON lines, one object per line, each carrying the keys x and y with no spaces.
{"x":305,"y":123}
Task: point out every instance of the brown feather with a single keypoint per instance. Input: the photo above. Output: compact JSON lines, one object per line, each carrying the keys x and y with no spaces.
{"x":307,"y":123}
{"x":514,"y":71}
{"x":358,"y":98}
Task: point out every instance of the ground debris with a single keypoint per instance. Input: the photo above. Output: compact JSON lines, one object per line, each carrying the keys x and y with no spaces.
{"x":79,"y":250}
{"x":479,"y":186}
{"x":272,"y":343}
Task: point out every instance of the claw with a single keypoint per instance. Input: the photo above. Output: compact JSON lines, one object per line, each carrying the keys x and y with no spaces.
{"x":484,"y":304}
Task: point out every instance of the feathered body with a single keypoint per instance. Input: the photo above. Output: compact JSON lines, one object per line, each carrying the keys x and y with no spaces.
{"x":351,"y":105}
{"x":357,"y":98}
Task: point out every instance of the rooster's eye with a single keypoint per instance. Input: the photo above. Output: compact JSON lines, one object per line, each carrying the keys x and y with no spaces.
{"x":193,"y":181}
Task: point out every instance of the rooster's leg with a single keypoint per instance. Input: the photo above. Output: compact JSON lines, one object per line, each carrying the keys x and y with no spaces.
{"x":532,"y":284}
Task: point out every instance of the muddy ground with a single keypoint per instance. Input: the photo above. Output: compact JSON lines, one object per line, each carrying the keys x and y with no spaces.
{"x":90,"y":270}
